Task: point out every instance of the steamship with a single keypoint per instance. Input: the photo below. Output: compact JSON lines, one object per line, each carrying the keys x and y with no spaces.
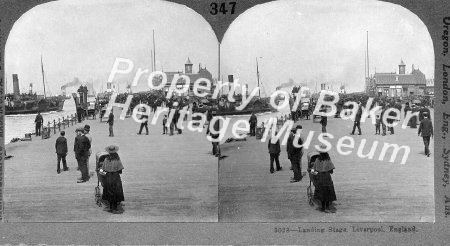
{"x":30,"y":103}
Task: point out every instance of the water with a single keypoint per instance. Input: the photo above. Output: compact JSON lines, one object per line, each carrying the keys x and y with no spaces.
{"x":17,"y":125}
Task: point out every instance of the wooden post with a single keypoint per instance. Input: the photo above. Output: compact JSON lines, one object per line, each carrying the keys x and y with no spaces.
{"x":54,"y":126}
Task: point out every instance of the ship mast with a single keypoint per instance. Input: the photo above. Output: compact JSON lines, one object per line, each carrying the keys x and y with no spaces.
{"x":43,"y":80}
{"x":257,"y":76}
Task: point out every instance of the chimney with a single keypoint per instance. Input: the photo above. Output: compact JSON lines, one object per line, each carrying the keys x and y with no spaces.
{"x":16,"y":85}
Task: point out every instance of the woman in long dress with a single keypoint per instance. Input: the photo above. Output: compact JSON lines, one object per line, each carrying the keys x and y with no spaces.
{"x":323,"y":168}
{"x":112,"y":190}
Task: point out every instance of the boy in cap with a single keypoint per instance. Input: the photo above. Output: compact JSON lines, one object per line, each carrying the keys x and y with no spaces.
{"x":61,"y":152}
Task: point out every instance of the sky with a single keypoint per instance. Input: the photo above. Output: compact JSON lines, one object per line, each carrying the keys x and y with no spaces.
{"x":81,"y":39}
{"x":301,"y":41}
{"x":324,"y":41}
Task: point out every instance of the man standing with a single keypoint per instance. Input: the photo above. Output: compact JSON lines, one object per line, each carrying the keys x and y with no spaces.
{"x":253,"y":122}
{"x":111,"y":123}
{"x":295,"y":155}
{"x":426,"y":128}
{"x":144,"y":123}
{"x":216,"y":127}
{"x":274,"y":152}
{"x":164,"y":125}
{"x":38,"y":121}
{"x":81,"y":149}
{"x":357,"y":122}
{"x":61,"y":152}
{"x":383,"y":125}
{"x":324,"y":120}
{"x":87,"y":129}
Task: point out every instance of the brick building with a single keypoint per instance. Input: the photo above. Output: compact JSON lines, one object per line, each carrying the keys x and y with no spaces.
{"x":399,"y":84}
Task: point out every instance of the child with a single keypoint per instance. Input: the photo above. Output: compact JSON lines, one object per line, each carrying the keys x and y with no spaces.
{"x":274,"y":152}
{"x":377,"y":125}
{"x":164,"y":124}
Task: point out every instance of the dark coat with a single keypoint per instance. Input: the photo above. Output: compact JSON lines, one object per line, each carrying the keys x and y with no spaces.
{"x":111,"y":119}
{"x":323,"y":120}
{"x":294,"y":153}
{"x":81,"y":147}
{"x":358,"y":115}
{"x":216,"y":128}
{"x":426,"y":128}
{"x":39,"y":120}
{"x":61,"y":145}
{"x":253,"y":120}
{"x":274,"y":148}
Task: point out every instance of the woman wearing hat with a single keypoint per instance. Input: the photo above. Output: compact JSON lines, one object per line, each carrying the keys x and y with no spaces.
{"x":112,"y":190}
{"x":323,"y":168}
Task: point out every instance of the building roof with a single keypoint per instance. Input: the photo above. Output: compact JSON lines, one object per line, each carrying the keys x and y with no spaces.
{"x":415,"y":78}
{"x":402,"y":63}
{"x":188,"y":62}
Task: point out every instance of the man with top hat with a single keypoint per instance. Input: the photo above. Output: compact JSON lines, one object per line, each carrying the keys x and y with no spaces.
{"x":295,"y":154}
{"x":426,"y":130}
{"x":81,"y":149}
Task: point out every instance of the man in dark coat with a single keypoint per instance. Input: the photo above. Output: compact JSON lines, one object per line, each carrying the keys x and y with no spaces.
{"x":324,"y":120}
{"x":413,"y":120}
{"x":61,"y":152}
{"x":295,"y":155}
{"x":391,"y":121}
{"x":81,"y":149}
{"x":253,"y":122}
{"x":216,"y":127}
{"x":426,"y":129}
{"x":144,"y":123}
{"x":274,"y":152}
{"x":357,"y":123}
{"x":38,"y":121}
{"x":111,"y":123}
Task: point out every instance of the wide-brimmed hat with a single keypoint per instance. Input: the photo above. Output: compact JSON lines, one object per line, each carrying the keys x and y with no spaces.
{"x":87,"y":127}
{"x":322,"y":148}
{"x":112,"y":149}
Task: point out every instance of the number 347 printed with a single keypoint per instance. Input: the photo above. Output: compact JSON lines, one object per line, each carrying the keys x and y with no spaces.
{"x":223,"y":8}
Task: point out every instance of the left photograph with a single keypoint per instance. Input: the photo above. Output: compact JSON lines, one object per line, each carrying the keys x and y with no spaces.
{"x":90,"y":134}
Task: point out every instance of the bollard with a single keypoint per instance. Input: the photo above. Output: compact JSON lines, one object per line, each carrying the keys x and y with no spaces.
{"x":54,"y":126}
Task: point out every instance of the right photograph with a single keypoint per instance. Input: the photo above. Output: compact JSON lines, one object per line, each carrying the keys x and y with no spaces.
{"x":337,"y":99}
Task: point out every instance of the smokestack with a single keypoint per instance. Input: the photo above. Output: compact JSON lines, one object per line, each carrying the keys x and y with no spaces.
{"x":16,"y":85}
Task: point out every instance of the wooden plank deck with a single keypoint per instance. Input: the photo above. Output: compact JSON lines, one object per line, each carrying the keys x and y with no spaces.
{"x":367,"y":190}
{"x":166,"y":178}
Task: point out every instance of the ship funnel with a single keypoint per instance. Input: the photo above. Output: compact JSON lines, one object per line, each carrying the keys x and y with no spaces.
{"x":16,"y":85}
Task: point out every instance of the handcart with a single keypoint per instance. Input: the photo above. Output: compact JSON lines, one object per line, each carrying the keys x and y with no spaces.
{"x":100,"y":158}
{"x":311,"y":156}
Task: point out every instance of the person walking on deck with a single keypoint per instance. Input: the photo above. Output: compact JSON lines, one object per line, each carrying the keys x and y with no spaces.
{"x":61,"y":152}
{"x":357,"y":123}
{"x":111,"y":123}
{"x":144,"y":123}
{"x":426,"y":129}
{"x":216,"y":128}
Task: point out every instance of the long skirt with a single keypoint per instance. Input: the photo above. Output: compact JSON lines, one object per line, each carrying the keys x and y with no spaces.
{"x":324,"y":187}
{"x":112,"y":191}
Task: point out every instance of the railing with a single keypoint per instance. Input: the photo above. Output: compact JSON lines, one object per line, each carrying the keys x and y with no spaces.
{"x":58,"y":125}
